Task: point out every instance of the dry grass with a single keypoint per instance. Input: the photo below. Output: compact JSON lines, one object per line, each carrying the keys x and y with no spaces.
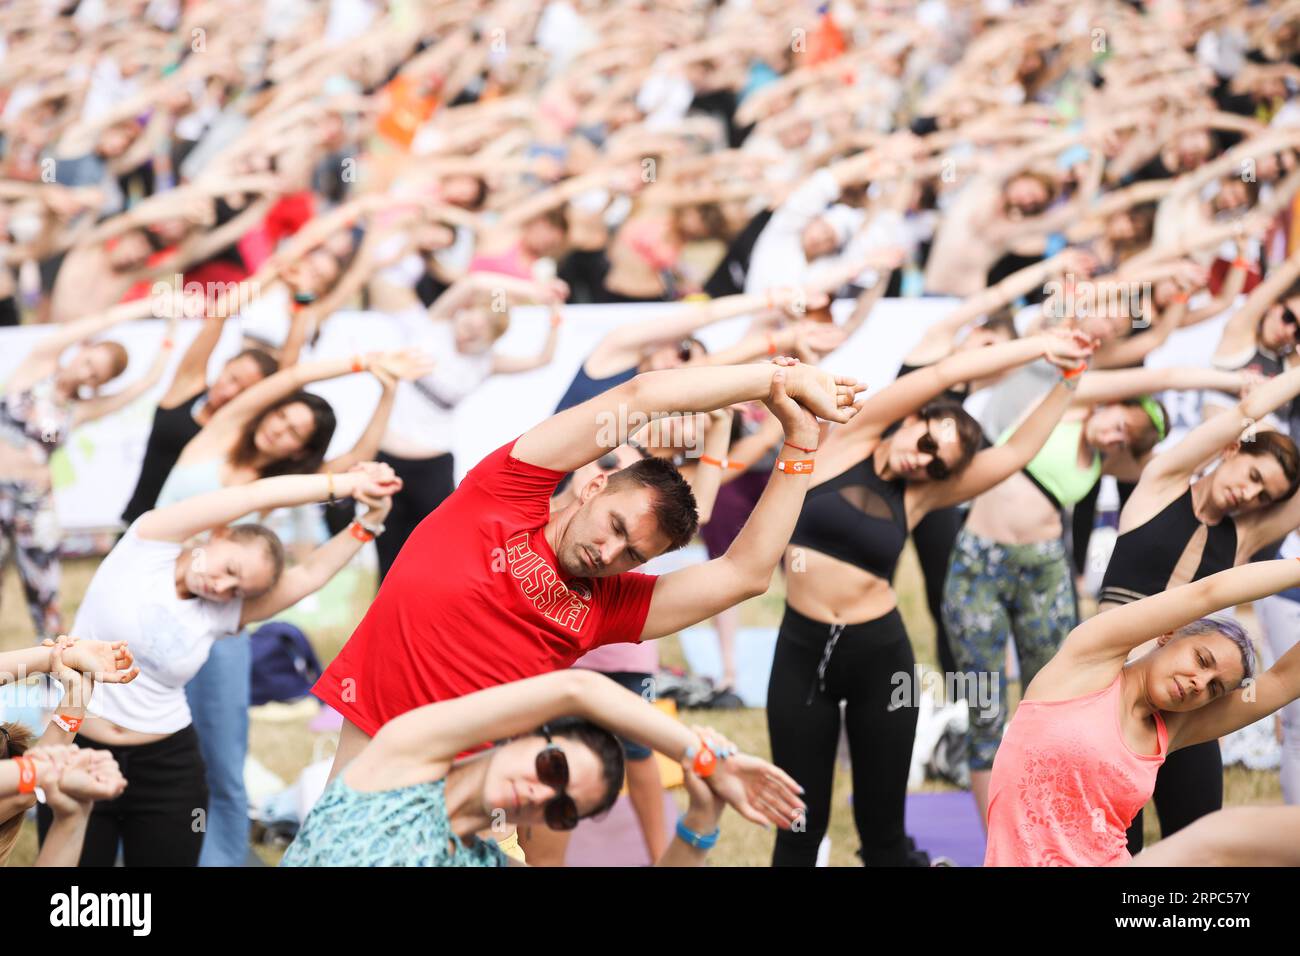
{"x":286,"y":746}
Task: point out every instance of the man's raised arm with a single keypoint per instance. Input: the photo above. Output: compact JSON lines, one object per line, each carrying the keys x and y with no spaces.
{"x":690,"y":595}
{"x":582,"y":434}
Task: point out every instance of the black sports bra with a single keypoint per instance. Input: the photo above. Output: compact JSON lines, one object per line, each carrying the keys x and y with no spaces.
{"x":1145,"y":557}
{"x":856,"y":517}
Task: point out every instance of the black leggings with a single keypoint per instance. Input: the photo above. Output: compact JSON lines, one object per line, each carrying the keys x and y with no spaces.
{"x":934,"y":539}
{"x":159,"y":818}
{"x":1189,"y":785}
{"x":803,"y":720}
{"x":426,"y":483}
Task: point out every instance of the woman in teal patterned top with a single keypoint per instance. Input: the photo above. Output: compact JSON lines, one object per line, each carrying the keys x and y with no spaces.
{"x":406,"y":801}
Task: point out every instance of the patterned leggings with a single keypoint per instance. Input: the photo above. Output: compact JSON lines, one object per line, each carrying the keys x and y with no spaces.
{"x":29,"y":527}
{"x":994,"y":592}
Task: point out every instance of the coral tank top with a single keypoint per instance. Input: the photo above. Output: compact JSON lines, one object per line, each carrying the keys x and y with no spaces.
{"x":1066,"y":785}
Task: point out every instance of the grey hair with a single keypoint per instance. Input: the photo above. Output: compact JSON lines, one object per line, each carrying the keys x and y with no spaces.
{"x":1227,"y":628}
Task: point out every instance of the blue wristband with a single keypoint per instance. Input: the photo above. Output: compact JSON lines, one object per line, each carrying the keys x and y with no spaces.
{"x":701,"y":841}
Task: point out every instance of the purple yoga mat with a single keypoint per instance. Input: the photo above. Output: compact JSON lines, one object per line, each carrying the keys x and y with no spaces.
{"x":947,"y":824}
{"x":616,"y":839}
{"x":943,"y":824}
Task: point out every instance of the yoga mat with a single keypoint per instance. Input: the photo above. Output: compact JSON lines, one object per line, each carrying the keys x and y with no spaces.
{"x":615,"y":840}
{"x":754,"y":649}
{"x":946,"y":824}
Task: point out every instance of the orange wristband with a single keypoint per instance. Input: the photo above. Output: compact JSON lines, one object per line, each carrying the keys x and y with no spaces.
{"x":705,"y":762}
{"x":771,"y":344}
{"x":1181,"y":298}
{"x":26,"y":774}
{"x":723,"y":463}
{"x":64,"y":722}
{"x":1243,"y":264}
{"x":795,"y":466}
{"x":1073,"y":373}
{"x":360,"y":533}
{"x":358,"y":364}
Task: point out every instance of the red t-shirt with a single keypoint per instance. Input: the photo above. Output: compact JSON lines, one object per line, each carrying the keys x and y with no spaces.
{"x":476,"y":599}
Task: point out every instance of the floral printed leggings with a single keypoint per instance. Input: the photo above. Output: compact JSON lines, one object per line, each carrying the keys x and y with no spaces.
{"x":30,"y":529}
{"x":994,"y":592}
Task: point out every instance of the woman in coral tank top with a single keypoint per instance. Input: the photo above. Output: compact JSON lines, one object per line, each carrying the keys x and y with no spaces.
{"x":1080,"y":756}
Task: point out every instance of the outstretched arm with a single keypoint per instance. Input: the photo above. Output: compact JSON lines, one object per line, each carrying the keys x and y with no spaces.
{"x":1133,"y":349}
{"x":109,"y":662}
{"x":183,"y":520}
{"x":909,"y":393}
{"x":1233,"y":836}
{"x":693,"y":594}
{"x":248,"y":404}
{"x":516,"y":364}
{"x":406,"y":746}
{"x":583,"y":433}
{"x":1111,"y":637}
{"x":992,"y":466}
{"x":1218,"y":431}
{"x":623,"y":347}
{"x":705,"y":476}
{"x":192,"y":374}
{"x":367,"y":445}
{"x":1239,"y":334}
{"x":331,"y":557}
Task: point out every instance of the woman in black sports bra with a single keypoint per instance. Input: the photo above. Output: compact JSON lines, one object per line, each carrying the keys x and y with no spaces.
{"x":1174,"y":529}
{"x":842,"y":638}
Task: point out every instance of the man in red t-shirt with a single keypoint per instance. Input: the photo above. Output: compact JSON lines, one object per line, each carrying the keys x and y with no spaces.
{"x":491,"y":587}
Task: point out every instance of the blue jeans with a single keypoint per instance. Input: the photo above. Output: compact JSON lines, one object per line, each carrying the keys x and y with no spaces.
{"x":218,"y":696}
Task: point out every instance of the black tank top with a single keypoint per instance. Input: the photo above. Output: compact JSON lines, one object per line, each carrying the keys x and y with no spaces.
{"x":1145,"y":557}
{"x":856,"y":517}
{"x":172,"y":430}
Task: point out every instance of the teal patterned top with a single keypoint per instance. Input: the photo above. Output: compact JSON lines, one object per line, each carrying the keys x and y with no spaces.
{"x":404,"y":827}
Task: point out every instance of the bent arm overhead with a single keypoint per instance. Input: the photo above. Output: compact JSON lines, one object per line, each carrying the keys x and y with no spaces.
{"x":216,"y":509}
{"x":1113,"y":635}
{"x":1217,"y":432}
{"x":583,"y":433}
{"x":994,"y":465}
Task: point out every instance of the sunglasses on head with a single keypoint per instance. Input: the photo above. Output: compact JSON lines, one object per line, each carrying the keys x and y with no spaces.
{"x":553,"y":771}
{"x":936,"y":467}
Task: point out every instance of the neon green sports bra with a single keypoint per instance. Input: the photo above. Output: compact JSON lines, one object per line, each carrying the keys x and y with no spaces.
{"x":1055,"y":469}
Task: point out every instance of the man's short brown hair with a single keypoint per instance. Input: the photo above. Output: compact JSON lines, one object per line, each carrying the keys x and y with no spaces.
{"x":674,"y":504}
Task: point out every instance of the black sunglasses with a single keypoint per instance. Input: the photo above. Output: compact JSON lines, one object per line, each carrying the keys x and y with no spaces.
{"x":936,"y":467}
{"x":1289,"y":317}
{"x":553,"y":771}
